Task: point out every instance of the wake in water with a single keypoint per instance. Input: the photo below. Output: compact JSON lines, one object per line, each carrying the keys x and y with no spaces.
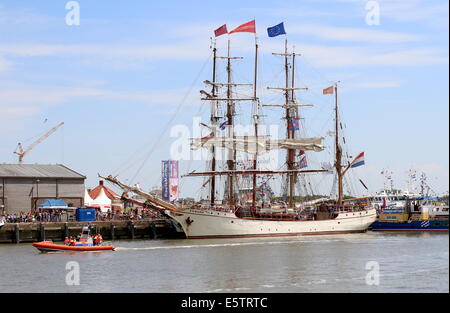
{"x":218,"y":245}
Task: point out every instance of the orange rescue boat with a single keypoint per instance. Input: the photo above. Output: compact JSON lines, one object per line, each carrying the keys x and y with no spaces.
{"x":49,"y":246}
{"x":85,"y":244}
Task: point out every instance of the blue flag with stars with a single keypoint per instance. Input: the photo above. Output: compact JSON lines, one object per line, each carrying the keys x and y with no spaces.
{"x":276,"y":30}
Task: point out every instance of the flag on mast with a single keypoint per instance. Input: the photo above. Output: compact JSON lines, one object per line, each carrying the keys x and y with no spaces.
{"x":249,"y":27}
{"x":221,"y":30}
{"x":328,"y":91}
{"x":303,"y":162}
{"x":276,"y":30}
{"x":358,"y":161}
{"x":294,"y":124}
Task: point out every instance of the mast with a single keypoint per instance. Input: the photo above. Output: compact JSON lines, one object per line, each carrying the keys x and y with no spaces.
{"x":290,"y":130}
{"x":256,"y":117}
{"x":290,"y":103}
{"x":232,"y":153}
{"x":213,"y":122}
{"x":338,"y":164}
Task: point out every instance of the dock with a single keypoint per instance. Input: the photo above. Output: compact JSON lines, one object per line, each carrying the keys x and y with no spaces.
{"x":110,"y":230}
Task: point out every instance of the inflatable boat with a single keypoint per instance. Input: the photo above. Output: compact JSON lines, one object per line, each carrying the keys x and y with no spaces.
{"x":84,"y":244}
{"x":49,"y":246}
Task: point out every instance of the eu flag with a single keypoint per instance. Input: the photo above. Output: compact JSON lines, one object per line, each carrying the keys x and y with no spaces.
{"x":276,"y":30}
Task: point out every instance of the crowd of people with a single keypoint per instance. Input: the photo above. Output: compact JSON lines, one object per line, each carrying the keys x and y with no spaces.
{"x":46,"y":216}
{"x":129,"y":214}
{"x":60,"y":216}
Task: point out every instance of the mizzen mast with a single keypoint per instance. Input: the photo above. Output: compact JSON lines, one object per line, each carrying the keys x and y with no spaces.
{"x":338,"y":150}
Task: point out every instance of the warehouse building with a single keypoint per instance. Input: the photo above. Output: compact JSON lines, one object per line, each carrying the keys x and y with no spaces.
{"x":23,"y":187}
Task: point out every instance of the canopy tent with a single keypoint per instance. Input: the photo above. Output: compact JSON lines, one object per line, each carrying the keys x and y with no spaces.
{"x":87,"y":198}
{"x":51,"y":204}
{"x":102,"y":201}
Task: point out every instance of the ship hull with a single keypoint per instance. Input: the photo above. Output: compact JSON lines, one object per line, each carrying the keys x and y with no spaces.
{"x":411,"y":226}
{"x":213,"y":224}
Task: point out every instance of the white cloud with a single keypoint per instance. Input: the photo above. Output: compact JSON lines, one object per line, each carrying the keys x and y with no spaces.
{"x":16,"y":99}
{"x":8,"y":112}
{"x":4,"y":64}
{"x":352,"y":34}
{"x":180,"y":51}
{"x":379,"y":84}
{"x":328,"y":56}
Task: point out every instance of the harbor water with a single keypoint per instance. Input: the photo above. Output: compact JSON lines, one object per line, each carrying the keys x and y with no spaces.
{"x":401,"y":262}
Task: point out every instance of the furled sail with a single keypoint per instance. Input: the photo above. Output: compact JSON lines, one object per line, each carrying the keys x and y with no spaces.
{"x":258,"y":145}
{"x":314,"y":144}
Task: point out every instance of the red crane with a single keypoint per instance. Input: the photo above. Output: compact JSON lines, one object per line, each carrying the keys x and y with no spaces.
{"x":21,"y":152}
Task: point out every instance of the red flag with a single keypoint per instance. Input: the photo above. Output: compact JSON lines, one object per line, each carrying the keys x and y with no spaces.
{"x":328,"y":91}
{"x":221,"y":30}
{"x":249,"y":27}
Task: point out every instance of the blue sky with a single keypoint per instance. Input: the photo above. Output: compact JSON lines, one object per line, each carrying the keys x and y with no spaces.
{"x":127,"y":70}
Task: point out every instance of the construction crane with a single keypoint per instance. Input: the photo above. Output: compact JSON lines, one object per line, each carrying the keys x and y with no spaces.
{"x":21,"y":152}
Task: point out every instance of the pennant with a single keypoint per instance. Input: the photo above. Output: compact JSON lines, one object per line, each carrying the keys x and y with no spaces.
{"x":358,"y":161}
{"x":211,"y":135}
{"x":222,"y":30}
{"x":276,"y":30}
{"x":249,"y":27}
{"x":224,"y":125}
{"x":328,"y":91}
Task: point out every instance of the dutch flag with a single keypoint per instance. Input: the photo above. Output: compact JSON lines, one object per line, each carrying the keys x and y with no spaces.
{"x":358,"y":161}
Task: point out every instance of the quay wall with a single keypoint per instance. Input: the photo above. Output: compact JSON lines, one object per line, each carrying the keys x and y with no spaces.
{"x":110,"y":230}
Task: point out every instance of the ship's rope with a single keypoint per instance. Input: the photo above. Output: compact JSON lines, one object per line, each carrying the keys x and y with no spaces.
{"x":156,"y":144}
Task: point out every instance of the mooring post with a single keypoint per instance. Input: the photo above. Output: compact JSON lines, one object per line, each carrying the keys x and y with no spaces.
{"x":42,"y":232}
{"x":17,"y":232}
{"x":131,"y":226}
{"x":113,"y":233}
{"x":66,"y":231}
{"x":153,"y":230}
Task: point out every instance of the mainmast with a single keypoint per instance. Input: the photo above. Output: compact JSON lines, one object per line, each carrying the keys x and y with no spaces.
{"x":230,"y":121}
{"x":289,"y":92}
{"x":256,"y":119}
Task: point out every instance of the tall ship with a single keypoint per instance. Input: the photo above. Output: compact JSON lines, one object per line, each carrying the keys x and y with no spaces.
{"x":245,"y":209}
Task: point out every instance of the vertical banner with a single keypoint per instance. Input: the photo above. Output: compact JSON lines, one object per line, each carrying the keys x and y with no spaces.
{"x":165,"y":174}
{"x":173,"y":181}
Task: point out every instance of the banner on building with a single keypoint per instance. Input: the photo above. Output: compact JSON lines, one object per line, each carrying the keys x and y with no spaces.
{"x":173,"y":181}
{"x":165,"y":175}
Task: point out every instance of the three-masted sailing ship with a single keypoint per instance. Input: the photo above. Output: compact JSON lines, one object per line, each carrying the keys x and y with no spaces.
{"x":257,"y":218}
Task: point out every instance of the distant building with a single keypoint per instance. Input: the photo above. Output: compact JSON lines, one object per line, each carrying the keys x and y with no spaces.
{"x":23,"y":187}
{"x":103,"y":198}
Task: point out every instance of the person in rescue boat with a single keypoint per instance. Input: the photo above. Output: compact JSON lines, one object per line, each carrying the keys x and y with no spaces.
{"x":66,"y":241}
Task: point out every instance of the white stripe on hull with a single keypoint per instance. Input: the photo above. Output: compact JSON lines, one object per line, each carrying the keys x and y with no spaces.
{"x":205,"y":224}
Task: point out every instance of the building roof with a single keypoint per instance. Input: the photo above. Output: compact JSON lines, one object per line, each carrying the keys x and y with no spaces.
{"x":38,"y":171}
{"x":94,"y":193}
